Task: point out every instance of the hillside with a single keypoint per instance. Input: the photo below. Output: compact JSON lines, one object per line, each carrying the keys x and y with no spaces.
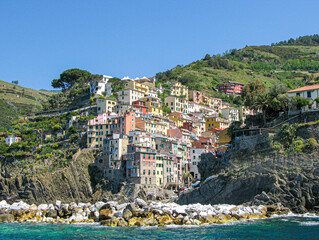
{"x":17,"y":101}
{"x":293,"y":63}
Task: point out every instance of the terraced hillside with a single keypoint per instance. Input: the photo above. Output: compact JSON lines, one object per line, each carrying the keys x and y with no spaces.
{"x":294,"y":63}
{"x":17,"y":101}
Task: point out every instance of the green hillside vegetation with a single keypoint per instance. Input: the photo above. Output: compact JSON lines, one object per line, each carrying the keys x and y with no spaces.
{"x":44,"y":138}
{"x":17,"y":101}
{"x":75,"y":89}
{"x":293,"y":64}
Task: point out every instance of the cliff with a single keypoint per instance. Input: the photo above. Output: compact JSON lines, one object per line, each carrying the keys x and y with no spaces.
{"x":76,"y":182}
{"x":292,"y":181}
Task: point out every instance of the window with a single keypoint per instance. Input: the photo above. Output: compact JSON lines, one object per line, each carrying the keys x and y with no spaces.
{"x":144,"y":172}
{"x":154,"y":172}
{"x":149,"y":172}
{"x":309,"y":94}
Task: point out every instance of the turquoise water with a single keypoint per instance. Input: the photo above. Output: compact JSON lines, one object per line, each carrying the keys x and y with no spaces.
{"x":284,"y":228}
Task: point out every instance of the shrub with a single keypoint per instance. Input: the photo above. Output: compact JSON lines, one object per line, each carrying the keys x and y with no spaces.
{"x":55,"y":146}
{"x":297,"y":145}
{"x":277,"y":146}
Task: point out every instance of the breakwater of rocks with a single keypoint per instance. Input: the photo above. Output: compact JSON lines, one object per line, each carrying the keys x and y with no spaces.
{"x":139,"y":213}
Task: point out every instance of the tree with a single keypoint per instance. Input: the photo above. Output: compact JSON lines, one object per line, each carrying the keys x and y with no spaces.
{"x":251,"y":91}
{"x":300,"y":102}
{"x":207,"y":57}
{"x":73,"y":76}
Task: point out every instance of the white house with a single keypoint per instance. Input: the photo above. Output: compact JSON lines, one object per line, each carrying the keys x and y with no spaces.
{"x":98,"y":87}
{"x":195,"y":154}
{"x":308,"y":92}
{"x":231,"y":114}
{"x":12,"y":139}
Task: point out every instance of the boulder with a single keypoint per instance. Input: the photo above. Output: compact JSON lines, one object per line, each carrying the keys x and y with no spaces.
{"x":140,"y":202}
{"x":105,"y":214}
{"x":6,"y":218}
{"x":166,"y":220}
{"x":4,"y":204}
{"x":43,"y":207}
{"x":122,"y":223}
{"x":52,"y":213}
{"x":57,"y":204}
{"x":127,"y":214}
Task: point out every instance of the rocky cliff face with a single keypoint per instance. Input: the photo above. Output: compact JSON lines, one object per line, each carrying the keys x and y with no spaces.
{"x":294,"y":186}
{"x":79,"y":181}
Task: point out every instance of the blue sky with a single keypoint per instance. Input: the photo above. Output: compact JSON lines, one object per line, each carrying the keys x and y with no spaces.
{"x":136,"y":38}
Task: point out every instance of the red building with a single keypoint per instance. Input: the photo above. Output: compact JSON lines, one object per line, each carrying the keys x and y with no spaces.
{"x":188,"y":126}
{"x":140,"y":106}
{"x":231,"y":88}
{"x":141,"y":164}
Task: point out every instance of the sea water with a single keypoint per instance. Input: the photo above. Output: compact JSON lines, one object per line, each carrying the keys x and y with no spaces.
{"x":276,"y":228}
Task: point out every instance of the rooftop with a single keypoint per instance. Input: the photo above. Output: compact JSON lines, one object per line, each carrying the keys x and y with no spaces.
{"x":305,"y":88}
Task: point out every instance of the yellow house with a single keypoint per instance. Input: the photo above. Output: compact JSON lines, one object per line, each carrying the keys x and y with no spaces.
{"x":177,"y":89}
{"x":151,"y":126}
{"x":137,"y":86}
{"x":177,"y":117}
{"x":105,"y":105}
{"x":177,"y":120}
{"x":159,"y":171}
{"x":154,"y":105}
{"x":216,"y":122}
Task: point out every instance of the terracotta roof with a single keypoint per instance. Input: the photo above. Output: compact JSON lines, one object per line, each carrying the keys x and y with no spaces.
{"x":306,"y":88}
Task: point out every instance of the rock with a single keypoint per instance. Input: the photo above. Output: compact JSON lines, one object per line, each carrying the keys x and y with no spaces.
{"x":98,"y":205}
{"x":4,"y":204}
{"x":72,"y":206}
{"x":65,"y":207}
{"x":33,"y":207}
{"x":105,"y":214}
{"x":272,"y":208}
{"x":140,"y":202}
{"x":127,"y":214}
{"x":157,"y":211}
{"x":122,"y":223}
{"x":50,"y":206}
{"x":135,"y":222}
{"x":196,"y":222}
{"x":76,"y":218}
{"x":43,"y":207}
{"x":180,"y":210}
{"x":134,"y":210}
{"x":263,"y":197}
{"x":6,"y":218}
{"x":52,"y":213}
{"x":19,"y":206}
{"x":106,"y":222}
{"x":57,"y":204}
{"x":179,"y":220}
{"x":166,"y":220}
{"x":150,"y":222}
{"x":121,"y":206}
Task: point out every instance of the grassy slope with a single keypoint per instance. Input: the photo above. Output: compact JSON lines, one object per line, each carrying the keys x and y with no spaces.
{"x":243,"y":69}
{"x":17,"y":101}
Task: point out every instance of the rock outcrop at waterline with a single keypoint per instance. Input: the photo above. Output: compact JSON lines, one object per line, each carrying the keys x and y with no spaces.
{"x":136,"y":214}
{"x":71,"y":183}
{"x":295,"y":186}
{"x":79,"y":181}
